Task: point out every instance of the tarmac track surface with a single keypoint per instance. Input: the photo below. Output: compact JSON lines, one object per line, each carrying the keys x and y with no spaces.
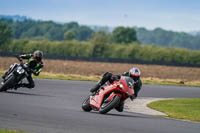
{"x":54,"y":106}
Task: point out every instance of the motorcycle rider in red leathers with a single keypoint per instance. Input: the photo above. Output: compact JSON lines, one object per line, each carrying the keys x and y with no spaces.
{"x":134,"y":73}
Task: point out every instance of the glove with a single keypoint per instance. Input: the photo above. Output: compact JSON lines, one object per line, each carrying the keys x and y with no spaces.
{"x":125,"y":74}
{"x":18,"y":57}
{"x":114,"y":77}
{"x":36,"y":74}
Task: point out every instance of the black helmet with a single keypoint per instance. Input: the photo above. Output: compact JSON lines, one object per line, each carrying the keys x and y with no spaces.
{"x":38,"y":55}
{"x":134,"y":73}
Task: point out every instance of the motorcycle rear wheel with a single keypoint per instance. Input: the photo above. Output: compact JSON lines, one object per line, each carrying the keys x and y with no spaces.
{"x":86,"y":105}
{"x":106,"y":107}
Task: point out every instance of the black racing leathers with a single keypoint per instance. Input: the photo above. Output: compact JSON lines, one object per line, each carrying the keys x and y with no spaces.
{"x":35,"y":67}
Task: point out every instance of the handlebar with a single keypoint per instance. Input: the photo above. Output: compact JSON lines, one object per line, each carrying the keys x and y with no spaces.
{"x":20,"y":60}
{"x":22,"y":64}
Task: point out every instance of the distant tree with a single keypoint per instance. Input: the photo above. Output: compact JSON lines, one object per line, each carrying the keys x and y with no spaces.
{"x":5,"y":33}
{"x":70,"y":25}
{"x":166,"y":38}
{"x":56,"y":33}
{"x":84,"y":33}
{"x":99,"y":37}
{"x":99,"y":41}
{"x":31,"y":32}
{"x":124,"y":35}
{"x":70,"y":35}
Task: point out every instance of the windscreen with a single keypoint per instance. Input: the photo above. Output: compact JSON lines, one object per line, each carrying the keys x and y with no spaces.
{"x":129,"y":82}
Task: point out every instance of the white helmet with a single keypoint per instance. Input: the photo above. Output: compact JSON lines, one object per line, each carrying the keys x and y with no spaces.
{"x":38,"y":55}
{"x":134,"y":73}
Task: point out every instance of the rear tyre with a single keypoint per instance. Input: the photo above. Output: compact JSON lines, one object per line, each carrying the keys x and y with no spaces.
{"x":105,"y":107}
{"x":6,"y":85}
{"x":86,"y":105}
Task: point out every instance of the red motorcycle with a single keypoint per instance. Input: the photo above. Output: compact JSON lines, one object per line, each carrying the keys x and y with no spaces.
{"x":110,"y":96}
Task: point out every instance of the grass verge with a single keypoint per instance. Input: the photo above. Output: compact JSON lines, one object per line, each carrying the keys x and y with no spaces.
{"x":10,"y":131}
{"x":181,"y":108}
{"x":174,"y":82}
{"x":45,"y":75}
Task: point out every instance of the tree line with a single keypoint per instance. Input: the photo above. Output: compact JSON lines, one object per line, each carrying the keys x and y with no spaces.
{"x":122,"y":44}
{"x":133,"y":51}
{"x":49,"y":30}
{"x":165,"y":38}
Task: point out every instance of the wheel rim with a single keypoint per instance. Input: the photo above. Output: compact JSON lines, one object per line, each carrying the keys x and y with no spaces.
{"x":106,"y":104}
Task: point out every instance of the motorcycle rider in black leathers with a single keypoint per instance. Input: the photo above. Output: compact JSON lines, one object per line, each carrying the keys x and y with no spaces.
{"x":35,"y":66}
{"x":134,"y":73}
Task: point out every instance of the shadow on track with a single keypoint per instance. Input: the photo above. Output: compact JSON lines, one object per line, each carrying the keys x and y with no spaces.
{"x":125,"y":115}
{"x":27,"y":94}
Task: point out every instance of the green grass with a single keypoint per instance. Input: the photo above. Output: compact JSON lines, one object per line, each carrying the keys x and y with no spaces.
{"x":10,"y":131}
{"x":181,"y":108}
{"x":67,"y":77}
{"x":173,"y":82}
{"x":1,"y":73}
{"x":45,"y":75}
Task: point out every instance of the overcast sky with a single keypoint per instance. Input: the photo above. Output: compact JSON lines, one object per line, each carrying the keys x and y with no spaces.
{"x":177,"y":15}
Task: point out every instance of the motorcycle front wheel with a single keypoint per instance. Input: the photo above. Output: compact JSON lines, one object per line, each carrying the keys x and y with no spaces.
{"x":86,"y":105}
{"x":105,"y":107}
{"x":8,"y":82}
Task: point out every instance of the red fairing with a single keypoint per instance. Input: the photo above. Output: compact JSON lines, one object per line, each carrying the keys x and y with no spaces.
{"x":122,"y":88}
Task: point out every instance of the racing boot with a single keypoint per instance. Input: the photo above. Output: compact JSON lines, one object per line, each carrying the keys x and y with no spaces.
{"x":120,"y":107}
{"x":16,"y":87}
{"x":95,"y":88}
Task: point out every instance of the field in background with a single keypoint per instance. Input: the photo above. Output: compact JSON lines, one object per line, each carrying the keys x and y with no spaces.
{"x":181,"y":74}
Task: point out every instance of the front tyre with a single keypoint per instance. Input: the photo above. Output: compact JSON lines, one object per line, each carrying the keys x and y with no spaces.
{"x":105,"y":107}
{"x":86,"y":105}
{"x":8,"y":82}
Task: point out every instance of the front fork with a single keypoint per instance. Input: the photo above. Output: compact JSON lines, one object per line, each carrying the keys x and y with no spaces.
{"x":11,"y":68}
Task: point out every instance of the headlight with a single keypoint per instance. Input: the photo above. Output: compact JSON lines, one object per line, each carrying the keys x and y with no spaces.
{"x":121,"y":86}
{"x":20,"y":70}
